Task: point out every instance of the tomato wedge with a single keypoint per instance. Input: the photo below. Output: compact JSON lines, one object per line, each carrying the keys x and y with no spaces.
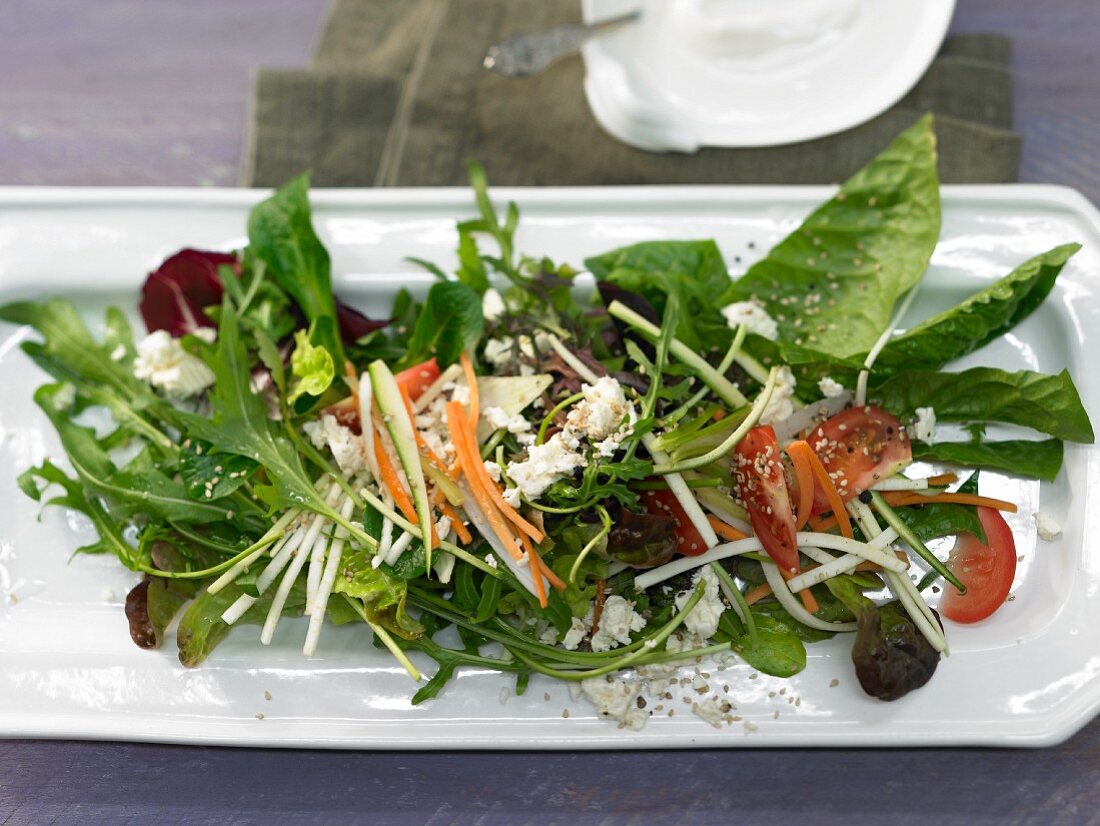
{"x":689,"y":541}
{"x":419,"y":377}
{"x":858,"y":447}
{"x":986,"y":570}
{"x":762,"y":487}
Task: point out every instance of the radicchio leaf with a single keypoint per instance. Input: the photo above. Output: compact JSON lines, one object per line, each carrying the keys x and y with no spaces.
{"x":353,"y":324}
{"x":175,"y":295}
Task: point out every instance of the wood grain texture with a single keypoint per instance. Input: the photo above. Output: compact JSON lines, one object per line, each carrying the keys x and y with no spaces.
{"x":153,"y":92}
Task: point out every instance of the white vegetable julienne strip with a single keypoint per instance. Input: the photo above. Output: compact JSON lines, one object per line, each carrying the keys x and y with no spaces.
{"x":683,"y":493}
{"x":688,"y":563}
{"x":583,"y":370}
{"x":722,"y":506}
{"x":312,"y":535}
{"x":868,"y":363}
{"x":444,"y":566}
{"x":237,"y":610}
{"x":834,"y":567}
{"x":900,"y":483}
{"x":366,"y":423}
{"x":873,"y":551}
{"x":481,"y":524}
{"x":275,"y":566}
{"x":435,"y":388}
{"x":332,"y":565}
{"x":901,"y":586}
{"x":398,"y":548}
{"x":244,"y":564}
{"x":809,"y":416}
{"x":794,"y":607}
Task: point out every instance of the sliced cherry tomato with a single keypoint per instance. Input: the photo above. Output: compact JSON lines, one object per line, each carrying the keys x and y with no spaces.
{"x":346,"y":412}
{"x":762,"y":486}
{"x":858,"y":447}
{"x":419,"y":377}
{"x":689,"y":541}
{"x":986,"y":570}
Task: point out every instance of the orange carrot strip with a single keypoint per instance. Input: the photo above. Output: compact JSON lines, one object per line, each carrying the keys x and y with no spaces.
{"x":393,"y":484}
{"x":533,"y":565}
{"x":956,"y":498}
{"x":420,"y":443}
{"x":554,"y":579}
{"x":757,"y":593}
{"x":725,"y":531}
{"x":460,"y":431}
{"x":456,"y":521}
{"x":455,"y":418}
{"x":835,"y":502}
{"x":821,"y":524}
{"x":809,"y":601}
{"x":471,"y":379}
{"x":803,"y":470}
{"x":942,"y":479}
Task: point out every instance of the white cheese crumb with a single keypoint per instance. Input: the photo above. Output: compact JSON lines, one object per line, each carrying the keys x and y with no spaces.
{"x":753,"y":315}
{"x":511,"y":496}
{"x":493,"y":469}
{"x":780,"y":406}
{"x":829,"y":387}
{"x":348,"y":449}
{"x":576,"y":633}
{"x":924,"y":424}
{"x":703,"y":619}
{"x":492,"y":305}
{"x":617,"y":699}
{"x":498,"y":351}
{"x":711,"y":711}
{"x":604,"y":412}
{"x":498,"y":419}
{"x":1048,"y":527}
{"x":459,"y":392}
{"x":549,"y":635}
{"x":616,"y":622}
{"x":491,"y":560}
{"x":162,"y":361}
{"x":119,"y":353}
{"x":544,"y":465}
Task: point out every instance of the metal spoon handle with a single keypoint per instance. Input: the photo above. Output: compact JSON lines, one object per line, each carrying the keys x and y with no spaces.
{"x":528,"y":53}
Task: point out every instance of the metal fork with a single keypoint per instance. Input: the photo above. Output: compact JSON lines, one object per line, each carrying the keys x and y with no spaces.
{"x":528,"y":53}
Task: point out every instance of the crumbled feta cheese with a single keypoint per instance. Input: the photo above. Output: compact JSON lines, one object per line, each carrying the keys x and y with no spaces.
{"x":703,"y":619}
{"x":780,"y":405}
{"x":576,"y":633}
{"x":498,"y":351}
{"x":753,"y":315}
{"x":830,"y":388}
{"x":512,"y":497}
{"x":548,"y":635}
{"x":491,"y":560}
{"x":492,"y":305}
{"x":119,"y":353}
{"x":497,"y":419}
{"x":1048,"y":527}
{"x":162,"y":361}
{"x":493,"y":469}
{"x":348,"y":449}
{"x":617,"y":699}
{"x":616,"y":622}
{"x":679,"y":643}
{"x":711,"y":711}
{"x":924,"y":424}
{"x":544,"y":465}
{"x":459,"y":392}
{"x":604,"y":412}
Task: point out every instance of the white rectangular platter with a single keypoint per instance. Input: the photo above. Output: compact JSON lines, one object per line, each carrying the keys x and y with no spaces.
{"x":1029,"y":676}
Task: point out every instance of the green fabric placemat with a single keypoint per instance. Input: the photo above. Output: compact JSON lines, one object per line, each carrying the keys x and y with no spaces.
{"x":397,"y":96}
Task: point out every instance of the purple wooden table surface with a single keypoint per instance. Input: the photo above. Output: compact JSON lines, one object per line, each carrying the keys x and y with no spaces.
{"x":154,"y":92}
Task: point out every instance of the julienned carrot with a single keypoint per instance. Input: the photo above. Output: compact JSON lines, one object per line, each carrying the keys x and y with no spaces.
{"x":942,"y":479}
{"x":476,"y":468}
{"x":535,"y":568}
{"x":547,"y":572}
{"x":456,"y":521}
{"x":835,"y":502}
{"x":809,"y":601}
{"x":821,"y":524}
{"x":455,"y":419}
{"x":725,"y":531}
{"x":799,"y":451}
{"x":757,"y":593}
{"x":393,"y":484}
{"x":471,"y":380}
{"x":908,"y":498}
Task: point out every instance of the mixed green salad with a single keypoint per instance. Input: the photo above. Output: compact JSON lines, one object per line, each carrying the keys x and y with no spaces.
{"x":517,"y":472}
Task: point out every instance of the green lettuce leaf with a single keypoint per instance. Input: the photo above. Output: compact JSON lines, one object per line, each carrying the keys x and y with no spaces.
{"x":383,"y":596}
{"x":832,"y":284}
{"x":312,"y":367}
{"x":450,"y":322}
{"x":985,"y":316}
{"x":1040,"y":460}
{"x":280,"y":233}
{"x":199,"y":468}
{"x":1049,"y":404}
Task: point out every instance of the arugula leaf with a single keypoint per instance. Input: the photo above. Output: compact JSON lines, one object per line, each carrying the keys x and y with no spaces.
{"x":449,"y":322}
{"x":980,"y":319}
{"x":691,"y":271}
{"x":833,"y":283}
{"x":75,"y":497}
{"x":1041,"y":460}
{"x":312,"y":366}
{"x":199,"y":467}
{"x":140,"y":488}
{"x":1049,"y":404}
{"x":280,"y":233}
